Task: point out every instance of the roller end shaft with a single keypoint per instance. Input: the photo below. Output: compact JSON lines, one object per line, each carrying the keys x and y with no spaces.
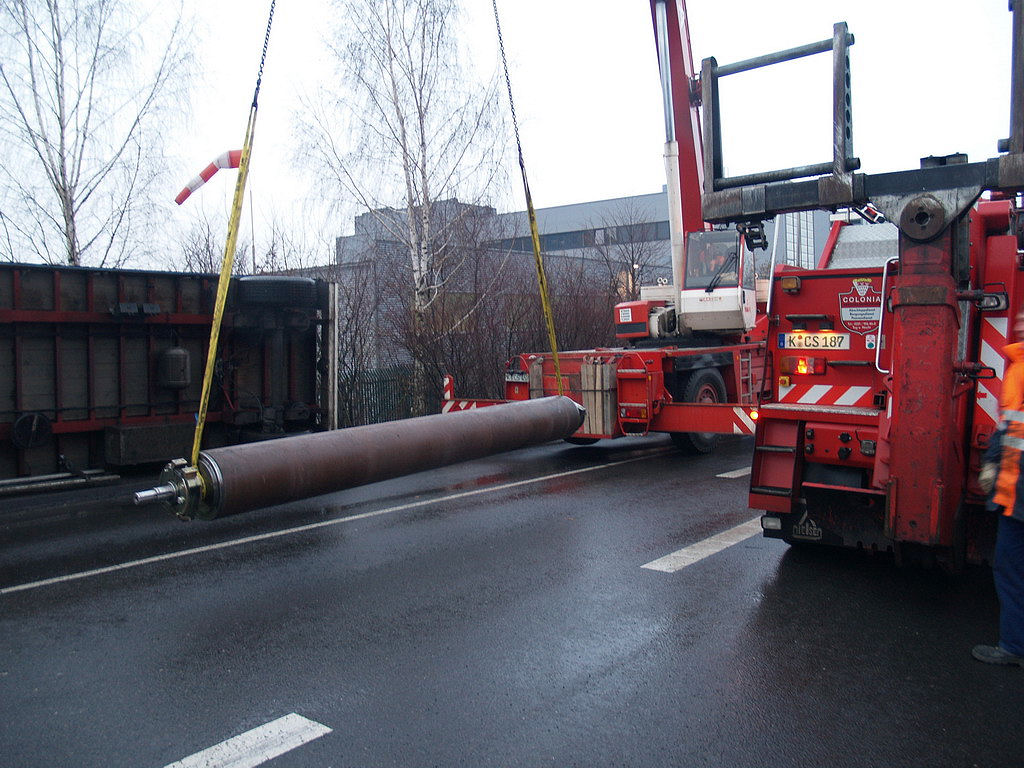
{"x":165,"y":492}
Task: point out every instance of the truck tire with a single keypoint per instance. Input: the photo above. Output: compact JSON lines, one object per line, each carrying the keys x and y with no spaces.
{"x":704,"y":385}
{"x":31,"y":430}
{"x":276,"y":291}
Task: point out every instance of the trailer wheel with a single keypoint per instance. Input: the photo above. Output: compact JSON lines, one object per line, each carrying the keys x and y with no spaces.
{"x":276,"y":291}
{"x":705,"y":385}
{"x":31,"y":430}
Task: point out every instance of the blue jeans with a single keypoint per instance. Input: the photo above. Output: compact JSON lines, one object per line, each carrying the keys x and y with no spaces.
{"x":1009,"y":577}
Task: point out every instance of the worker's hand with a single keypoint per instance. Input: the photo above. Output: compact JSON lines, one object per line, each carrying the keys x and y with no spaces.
{"x":987,"y":477}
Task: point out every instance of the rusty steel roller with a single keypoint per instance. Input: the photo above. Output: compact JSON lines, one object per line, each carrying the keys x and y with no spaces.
{"x":242,"y":478}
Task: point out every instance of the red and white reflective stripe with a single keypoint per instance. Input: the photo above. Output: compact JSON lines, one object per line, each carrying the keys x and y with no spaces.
{"x":227,"y":160}
{"x":826,"y":394}
{"x":458,"y":405}
{"x":448,"y":387}
{"x":993,"y":339}
{"x":742,"y":423}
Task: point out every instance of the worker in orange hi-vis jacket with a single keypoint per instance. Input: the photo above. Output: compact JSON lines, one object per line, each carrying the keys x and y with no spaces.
{"x":1004,"y":468}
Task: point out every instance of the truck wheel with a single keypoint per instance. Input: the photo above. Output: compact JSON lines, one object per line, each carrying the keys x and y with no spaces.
{"x":704,"y":386}
{"x":276,"y":291}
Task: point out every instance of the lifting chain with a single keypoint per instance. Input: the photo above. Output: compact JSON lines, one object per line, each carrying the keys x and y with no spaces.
{"x":542,"y":280}
{"x":263,"y":57}
{"x":229,"y":253}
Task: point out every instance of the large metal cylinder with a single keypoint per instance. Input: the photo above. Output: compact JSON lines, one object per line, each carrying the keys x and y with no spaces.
{"x":241,"y":478}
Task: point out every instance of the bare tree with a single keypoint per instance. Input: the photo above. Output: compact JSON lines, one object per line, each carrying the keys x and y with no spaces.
{"x":582,"y":302}
{"x":626,"y":242}
{"x":410,"y":140}
{"x":81,"y":97}
{"x":357,"y":334}
{"x":287,"y":249}
{"x":275,"y":248}
{"x":202,"y":248}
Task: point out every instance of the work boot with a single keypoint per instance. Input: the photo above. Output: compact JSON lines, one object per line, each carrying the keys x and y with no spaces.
{"x":994,"y":654}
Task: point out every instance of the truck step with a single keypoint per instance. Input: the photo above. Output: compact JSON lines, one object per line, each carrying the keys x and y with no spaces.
{"x":771,"y":490}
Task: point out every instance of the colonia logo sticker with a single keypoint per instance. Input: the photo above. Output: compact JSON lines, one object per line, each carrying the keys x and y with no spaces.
{"x":860,"y":307}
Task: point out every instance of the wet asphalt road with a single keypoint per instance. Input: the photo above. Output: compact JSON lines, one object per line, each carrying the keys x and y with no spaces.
{"x":486,"y":617}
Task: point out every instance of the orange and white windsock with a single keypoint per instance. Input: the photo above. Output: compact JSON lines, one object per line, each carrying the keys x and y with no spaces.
{"x":227,"y":160}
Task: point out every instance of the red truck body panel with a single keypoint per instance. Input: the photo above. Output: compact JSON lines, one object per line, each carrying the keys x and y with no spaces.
{"x":886,"y":456}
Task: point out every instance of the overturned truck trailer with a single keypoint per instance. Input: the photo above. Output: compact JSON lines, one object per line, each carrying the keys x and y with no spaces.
{"x":103,"y":368}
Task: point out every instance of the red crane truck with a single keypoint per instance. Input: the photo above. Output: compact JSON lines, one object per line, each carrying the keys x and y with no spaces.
{"x":884,"y":377}
{"x":695,"y":365}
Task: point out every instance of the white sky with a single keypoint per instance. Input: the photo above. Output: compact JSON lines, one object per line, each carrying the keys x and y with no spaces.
{"x":928,"y":78}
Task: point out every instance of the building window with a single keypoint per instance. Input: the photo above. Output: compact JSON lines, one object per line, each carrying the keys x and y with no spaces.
{"x":800,"y":239}
{"x":561,"y":241}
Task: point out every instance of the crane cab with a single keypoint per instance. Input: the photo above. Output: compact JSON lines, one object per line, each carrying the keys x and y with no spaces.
{"x":716,"y":294}
{"x":718,"y":285}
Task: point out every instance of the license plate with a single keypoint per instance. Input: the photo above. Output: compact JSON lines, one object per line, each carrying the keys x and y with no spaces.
{"x":817,"y":341}
{"x":517,"y":378}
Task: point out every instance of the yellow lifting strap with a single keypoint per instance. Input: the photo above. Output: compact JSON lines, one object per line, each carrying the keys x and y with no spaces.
{"x":229,"y":251}
{"x":542,"y":280}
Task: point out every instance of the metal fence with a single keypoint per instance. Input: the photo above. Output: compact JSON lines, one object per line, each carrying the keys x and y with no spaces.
{"x":373,"y":396}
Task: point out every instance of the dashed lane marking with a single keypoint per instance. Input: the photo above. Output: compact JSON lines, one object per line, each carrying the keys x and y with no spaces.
{"x":706,"y":548}
{"x":257,"y":746}
{"x":315,"y":526}
{"x":741,"y":472}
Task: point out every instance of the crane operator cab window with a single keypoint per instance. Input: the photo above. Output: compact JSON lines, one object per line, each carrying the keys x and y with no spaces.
{"x":718,"y":288}
{"x":713,"y":260}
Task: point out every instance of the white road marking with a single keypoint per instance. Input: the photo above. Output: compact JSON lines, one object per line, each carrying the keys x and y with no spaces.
{"x":706,"y":548}
{"x":741,"y":472}
{"x":257,"y":746}
{"x":313,"y":526}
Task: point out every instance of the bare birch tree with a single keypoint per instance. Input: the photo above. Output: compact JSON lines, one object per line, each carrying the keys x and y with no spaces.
{"x":410,"y":139}
{"x":81,"y":96}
